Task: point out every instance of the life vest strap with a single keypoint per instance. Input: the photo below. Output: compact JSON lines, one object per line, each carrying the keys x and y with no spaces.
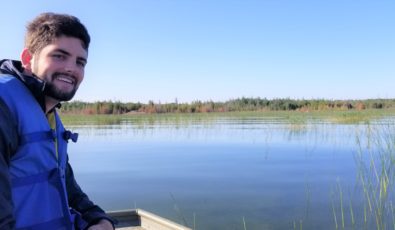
{"x":37,"y":178}
{"x":38,"y":136}
{"x":58,"y":223}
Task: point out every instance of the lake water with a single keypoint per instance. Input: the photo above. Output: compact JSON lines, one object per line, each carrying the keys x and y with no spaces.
{"x":231,"y":172}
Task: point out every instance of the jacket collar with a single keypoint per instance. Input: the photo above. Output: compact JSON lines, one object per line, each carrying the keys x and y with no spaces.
{"x":32,"y":82}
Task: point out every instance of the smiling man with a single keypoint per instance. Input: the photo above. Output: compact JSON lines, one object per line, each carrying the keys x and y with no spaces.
{"x":61,"y":65}
{"x":37,"y":185}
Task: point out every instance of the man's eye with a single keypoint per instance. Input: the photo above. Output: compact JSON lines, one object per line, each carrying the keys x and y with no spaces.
{"x":58,"y":56}
{"x":81,"y":63}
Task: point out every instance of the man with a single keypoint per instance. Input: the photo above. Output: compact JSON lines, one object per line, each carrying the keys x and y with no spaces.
{"x":37,"y":185}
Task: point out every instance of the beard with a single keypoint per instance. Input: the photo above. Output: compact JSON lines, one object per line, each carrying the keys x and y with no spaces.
{"x":53,"y":91}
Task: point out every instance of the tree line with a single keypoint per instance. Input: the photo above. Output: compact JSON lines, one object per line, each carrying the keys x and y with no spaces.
{"x":234,"y":105}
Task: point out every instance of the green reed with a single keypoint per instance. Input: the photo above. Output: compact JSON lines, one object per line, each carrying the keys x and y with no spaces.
{"x":244,"y":224}
{"x":290,"y":117}
{"x":178,"y":210}
{"x":374,"y":191}
{"x":340,"y":191}
{"x":376,"y":174}
{"x":194,"y":221}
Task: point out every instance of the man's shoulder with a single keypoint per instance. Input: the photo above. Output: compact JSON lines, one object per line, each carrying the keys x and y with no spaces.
{"x":5,"y":77}
{"x":11,"y":87}
{"x":8,"y":80}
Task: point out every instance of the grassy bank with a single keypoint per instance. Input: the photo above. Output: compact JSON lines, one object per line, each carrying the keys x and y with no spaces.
{"x":293,"y":117}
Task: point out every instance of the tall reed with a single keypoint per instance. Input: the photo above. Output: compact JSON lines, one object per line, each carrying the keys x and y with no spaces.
{"x":375,"y":164}
{"x":375,"y":160}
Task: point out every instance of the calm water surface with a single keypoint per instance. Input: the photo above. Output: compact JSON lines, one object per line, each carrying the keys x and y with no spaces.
{"x":212,"y":174}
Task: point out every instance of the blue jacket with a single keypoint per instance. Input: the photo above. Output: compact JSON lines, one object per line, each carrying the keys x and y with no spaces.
{"x":36,"y":173}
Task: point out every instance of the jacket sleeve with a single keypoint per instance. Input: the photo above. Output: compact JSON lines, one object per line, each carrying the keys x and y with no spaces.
{"x":8,"y":146}
{"x":79,"y":201}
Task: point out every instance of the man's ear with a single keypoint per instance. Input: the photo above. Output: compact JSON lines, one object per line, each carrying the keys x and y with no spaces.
{"x":26,"y":59}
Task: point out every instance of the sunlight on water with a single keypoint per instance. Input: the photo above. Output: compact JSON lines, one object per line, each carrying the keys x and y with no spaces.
{"x":276,"y":174}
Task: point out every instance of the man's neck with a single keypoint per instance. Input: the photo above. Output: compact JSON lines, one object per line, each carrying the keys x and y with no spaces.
{"x":50,"y":103}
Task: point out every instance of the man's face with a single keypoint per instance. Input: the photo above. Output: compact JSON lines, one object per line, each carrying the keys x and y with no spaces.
{"x":61,"y":65}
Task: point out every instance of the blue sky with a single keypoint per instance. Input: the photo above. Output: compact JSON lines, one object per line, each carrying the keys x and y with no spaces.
{"x":219,"y":50}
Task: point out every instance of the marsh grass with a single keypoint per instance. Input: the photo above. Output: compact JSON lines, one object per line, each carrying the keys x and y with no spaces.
{"x":296,"y":118}
{"x":375,"y":161}
{"x":178,"y":211}
{"x":298,"y":224}
{"x":194,"y":221}
{"x":376,"y":167}
{"x":244,"y":224}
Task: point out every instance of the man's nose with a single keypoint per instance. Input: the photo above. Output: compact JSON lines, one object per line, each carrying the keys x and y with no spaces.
{"x":70,"y":67}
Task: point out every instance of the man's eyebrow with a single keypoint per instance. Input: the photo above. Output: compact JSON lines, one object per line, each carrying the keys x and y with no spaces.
{"x":63,"y":52}
{"x":68,"y":54}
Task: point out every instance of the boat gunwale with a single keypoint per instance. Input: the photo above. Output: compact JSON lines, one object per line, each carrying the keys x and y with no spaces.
{"x":145,"y":218}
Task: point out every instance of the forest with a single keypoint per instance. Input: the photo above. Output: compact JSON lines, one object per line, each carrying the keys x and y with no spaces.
{"x":233,"y":105}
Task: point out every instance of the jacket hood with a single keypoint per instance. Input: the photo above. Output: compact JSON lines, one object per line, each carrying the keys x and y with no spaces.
{"x":15,"y":68}
{"x":35,"y":84}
